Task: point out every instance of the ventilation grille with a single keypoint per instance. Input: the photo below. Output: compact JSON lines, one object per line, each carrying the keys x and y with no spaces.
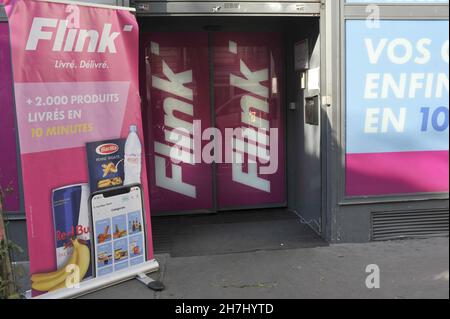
{"x":409,"y":224}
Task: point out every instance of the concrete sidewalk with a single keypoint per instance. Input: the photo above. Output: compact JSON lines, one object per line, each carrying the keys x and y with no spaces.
{"x":409,"y":269}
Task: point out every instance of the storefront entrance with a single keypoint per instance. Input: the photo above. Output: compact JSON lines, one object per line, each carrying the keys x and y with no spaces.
{"x":232,"y":114}
{"x":205,"y":87}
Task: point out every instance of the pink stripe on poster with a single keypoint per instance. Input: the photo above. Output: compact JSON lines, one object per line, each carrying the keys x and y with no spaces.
{"x":397,"y":173}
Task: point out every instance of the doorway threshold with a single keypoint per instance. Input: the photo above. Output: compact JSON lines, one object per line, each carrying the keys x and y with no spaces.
{"x":232,"y":232}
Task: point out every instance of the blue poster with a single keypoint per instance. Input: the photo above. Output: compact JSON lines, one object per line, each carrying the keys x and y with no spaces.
{"x":397,"y":114}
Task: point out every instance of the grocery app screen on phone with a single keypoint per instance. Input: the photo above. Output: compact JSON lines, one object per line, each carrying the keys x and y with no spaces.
{"x":119,"y":234}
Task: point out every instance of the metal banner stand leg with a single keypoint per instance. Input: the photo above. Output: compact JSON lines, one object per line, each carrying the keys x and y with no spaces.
{"x":152,"y":284}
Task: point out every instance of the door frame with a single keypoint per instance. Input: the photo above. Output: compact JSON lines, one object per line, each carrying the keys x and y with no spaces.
{"x":306,"y":8}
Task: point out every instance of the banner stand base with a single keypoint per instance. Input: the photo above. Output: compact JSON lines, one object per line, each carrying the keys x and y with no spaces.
{"x":154,"y":285}
{"x":96,"y":284}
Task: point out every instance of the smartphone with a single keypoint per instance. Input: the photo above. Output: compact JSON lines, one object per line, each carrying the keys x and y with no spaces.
{"x":119,"y":234}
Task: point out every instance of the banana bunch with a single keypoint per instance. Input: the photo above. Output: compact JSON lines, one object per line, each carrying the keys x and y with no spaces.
{"x":79,"y":260}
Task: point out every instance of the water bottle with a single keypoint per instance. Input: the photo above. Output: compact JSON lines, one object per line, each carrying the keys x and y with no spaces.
{"x":133,"y":153}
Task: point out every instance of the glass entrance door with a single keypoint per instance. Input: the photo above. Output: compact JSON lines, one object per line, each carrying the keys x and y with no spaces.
{"x":214,"y":142}
{"x":177,"y":91}
{"x":248,"y":97}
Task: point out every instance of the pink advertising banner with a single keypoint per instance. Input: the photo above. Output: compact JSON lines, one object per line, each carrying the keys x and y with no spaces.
{"x":248,"y":86}
{"x":177,"y":112}
{"x":9,"y":181}
{"x":75,"y":71}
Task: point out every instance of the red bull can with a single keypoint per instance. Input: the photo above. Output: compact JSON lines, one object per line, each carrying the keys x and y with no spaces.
{"x":71,"y":220}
